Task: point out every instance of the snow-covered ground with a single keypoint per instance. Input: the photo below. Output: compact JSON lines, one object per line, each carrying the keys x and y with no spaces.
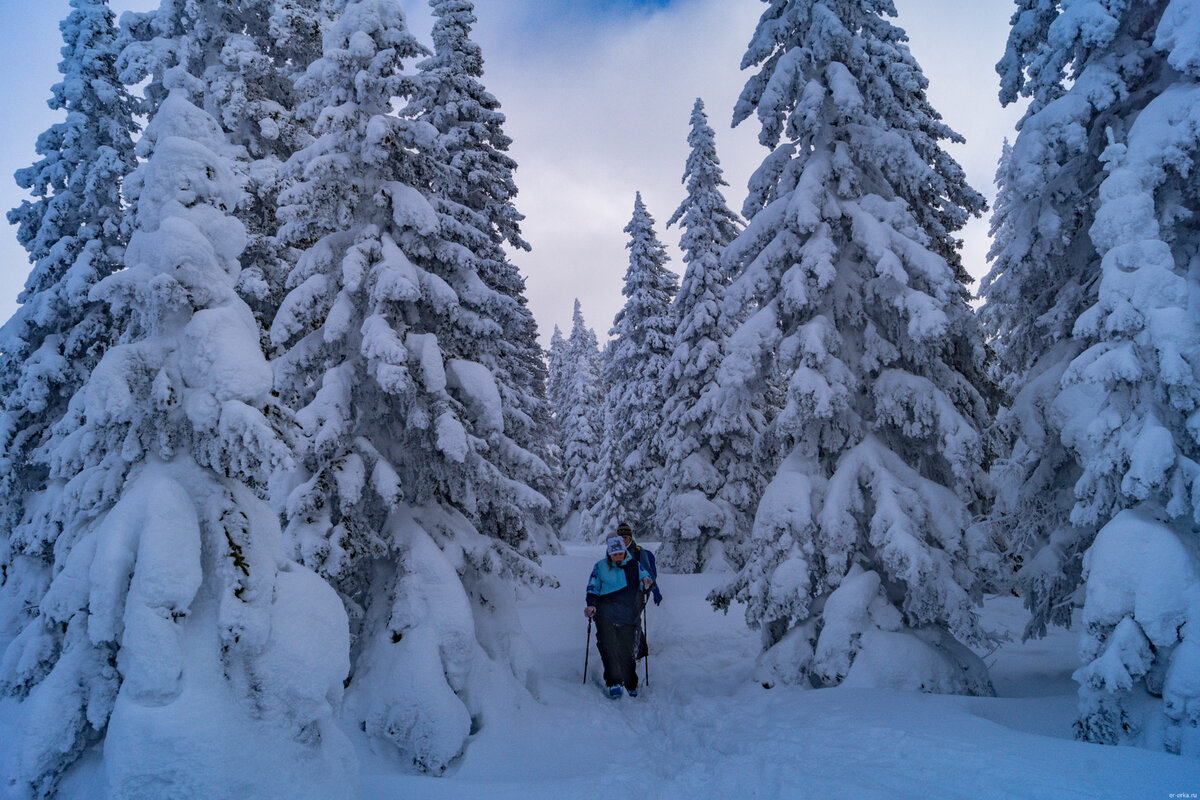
{"x":704,"y":729}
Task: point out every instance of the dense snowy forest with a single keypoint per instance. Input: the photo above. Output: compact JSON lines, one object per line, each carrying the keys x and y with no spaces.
{"x":290,"y":492}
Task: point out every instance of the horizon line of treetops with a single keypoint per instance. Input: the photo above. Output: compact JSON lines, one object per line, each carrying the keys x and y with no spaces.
{"x":274,"y":338}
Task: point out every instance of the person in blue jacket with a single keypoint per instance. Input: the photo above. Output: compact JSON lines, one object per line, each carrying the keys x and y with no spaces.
{"x":614,"y":601}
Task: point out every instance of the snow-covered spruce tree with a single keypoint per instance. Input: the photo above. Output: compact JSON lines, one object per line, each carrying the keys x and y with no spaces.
{"x":1093,"y":295}
{"x":710,"y":484}
{"x":632,"y":463}
{"x":73,"y":233}
{"x":860,"y":569}
{"x":555,"y":370}
{"x":474,"y":196}
{"x":579,"y":422}
{"x":245,"y":55}
{"x":1043,"y":276}
{"x":174,"y":624}
{"x":251,"y":92}
{"x":398,"y":489}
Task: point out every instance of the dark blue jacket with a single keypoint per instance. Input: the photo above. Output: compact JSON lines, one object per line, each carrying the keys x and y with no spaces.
{"x":646,"y":559}
{"x":616,"y":592}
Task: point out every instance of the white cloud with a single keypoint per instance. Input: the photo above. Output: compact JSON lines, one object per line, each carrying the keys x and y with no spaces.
{"x":598,"y":106}
{"x":597,"y":114}
{"x":598,"y":117}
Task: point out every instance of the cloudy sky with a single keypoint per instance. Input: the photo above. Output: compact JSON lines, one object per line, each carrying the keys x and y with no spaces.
{"x":597,"y":94}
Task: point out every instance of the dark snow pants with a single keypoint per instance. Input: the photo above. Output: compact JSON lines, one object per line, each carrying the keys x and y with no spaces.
{"x":616,"y":644}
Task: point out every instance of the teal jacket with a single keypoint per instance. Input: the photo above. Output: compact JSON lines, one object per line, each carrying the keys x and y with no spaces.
{"x":616,"y":592}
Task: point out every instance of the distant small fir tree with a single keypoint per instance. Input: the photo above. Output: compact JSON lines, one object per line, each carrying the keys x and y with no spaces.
{"x":578,"y":417}
{"x":632,"y":377}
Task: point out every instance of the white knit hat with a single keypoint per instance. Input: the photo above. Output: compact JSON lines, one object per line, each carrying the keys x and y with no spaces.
{"x":615,"y":545}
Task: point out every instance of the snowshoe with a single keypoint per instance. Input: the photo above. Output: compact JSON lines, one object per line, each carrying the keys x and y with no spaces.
{"x":614,"y":693}
{"x":632,"y":692}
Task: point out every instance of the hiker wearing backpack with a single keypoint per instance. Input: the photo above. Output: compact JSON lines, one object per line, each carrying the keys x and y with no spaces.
{"x":614,"y":602}
{"x":646,"y":559}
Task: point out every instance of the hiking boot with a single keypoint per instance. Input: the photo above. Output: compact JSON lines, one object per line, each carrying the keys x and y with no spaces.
{"x":614,"y":693}
{"x":632,"y":692}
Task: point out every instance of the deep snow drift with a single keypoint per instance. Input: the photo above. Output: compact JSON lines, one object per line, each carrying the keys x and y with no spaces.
{"x":704,"y":729}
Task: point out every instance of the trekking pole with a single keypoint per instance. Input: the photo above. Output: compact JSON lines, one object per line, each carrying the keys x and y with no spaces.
{"x":587,"y":651}
{"x":645,"y":633}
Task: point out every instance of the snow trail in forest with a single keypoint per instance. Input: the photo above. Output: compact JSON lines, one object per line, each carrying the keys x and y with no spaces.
{"x":704,"y":729}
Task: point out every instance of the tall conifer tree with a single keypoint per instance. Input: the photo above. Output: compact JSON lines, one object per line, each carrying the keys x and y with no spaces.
{"x":555,"y":369}
{"x":475,"y":194}
{"x":860,"y":549}
{"x":1092,"y":301}
{"x":403,"y":501}
{"x":170,"y":591}
{"x":710,"y":483}
{"x":555,"y":375}
{"x":74,"y":232}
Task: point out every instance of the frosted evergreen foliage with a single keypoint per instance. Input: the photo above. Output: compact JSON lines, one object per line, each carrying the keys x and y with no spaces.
{"x":475,"y":194}
{"x":244,"y":56}
{"x":398,"y":502}
{"x":174,"y":630}
{"x":1043,"y":277}
{"x":73,"y":231}
{"x":556,"y":369}
{"x":1116,"y":106}
{"x":861,"y":568}
{"x":578,"y":417}
{"x":634,"y":364}
{"x":1083,"y":286}
{"x":710,"y":482}
{"x":633,"y":368}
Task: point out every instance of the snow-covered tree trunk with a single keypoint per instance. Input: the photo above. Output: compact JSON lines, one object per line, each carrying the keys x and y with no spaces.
{"x":861,"y":569}
{"x":710,"y":484}
{"x":73,"y":231}
{"x":1093,"y":298}
{"x":631,"y":471}
{"x":174,"y":629}
{"x":405,"y":443}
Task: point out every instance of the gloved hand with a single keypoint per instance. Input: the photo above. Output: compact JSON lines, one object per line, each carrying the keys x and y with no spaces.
{"x":657,"y":594}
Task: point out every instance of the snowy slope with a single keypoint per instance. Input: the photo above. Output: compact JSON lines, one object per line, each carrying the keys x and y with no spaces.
{"x":704,"y":729}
